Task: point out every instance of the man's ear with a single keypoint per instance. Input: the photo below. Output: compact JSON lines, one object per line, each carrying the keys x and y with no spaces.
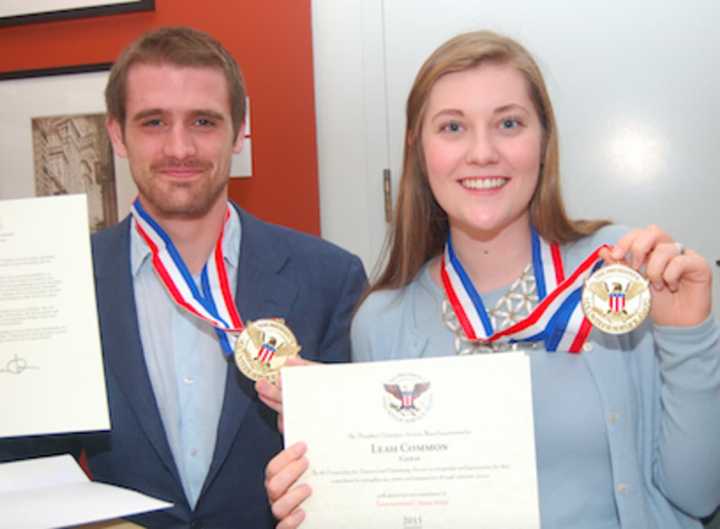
{"x":240,"y":140}
{"x":115,"y":132}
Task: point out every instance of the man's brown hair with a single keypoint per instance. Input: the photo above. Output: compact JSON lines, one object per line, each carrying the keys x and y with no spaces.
{"x":177,"y":46}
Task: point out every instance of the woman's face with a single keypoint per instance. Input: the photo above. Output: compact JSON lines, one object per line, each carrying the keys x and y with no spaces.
{"x":482,"y":142}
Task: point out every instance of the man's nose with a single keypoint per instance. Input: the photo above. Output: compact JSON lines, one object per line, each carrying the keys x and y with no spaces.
{"x":179,"y":143}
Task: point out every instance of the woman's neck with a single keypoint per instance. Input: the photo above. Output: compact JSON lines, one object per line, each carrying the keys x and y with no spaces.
{"x":493,"y":260}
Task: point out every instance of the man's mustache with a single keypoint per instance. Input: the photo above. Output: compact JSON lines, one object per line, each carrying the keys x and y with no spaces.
{"x":172,"y":163}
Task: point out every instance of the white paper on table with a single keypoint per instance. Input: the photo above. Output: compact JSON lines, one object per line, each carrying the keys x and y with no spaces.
{"x":55,"y":492}
{"x":463,"y":457}
{"x":51,"y":370}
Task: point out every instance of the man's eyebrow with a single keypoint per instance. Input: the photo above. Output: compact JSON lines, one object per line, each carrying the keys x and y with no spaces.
{"x":154,"y":112}
{"x":217,"y":116}
{"x":143,"y":114}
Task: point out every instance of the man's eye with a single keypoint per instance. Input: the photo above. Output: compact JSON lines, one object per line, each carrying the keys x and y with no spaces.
{"x":152,"y":123}
{"x":204,"y":122}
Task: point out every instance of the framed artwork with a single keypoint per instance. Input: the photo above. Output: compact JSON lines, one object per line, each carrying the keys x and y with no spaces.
{"x":53,"y":141}
{"x":14,"y":12}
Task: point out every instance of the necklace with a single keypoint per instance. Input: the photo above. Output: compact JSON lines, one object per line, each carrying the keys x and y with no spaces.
{"x":515,"y":305}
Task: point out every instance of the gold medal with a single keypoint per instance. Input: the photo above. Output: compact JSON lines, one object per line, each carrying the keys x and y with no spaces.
{"x":263,"y":347}
{"x":616,"y":299}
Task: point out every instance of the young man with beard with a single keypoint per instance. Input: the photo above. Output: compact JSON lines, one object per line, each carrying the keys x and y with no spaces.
{"x":187,"y":426}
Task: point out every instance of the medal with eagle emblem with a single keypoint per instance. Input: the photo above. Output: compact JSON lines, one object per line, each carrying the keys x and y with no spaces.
{"x":616,"y":299}
{"x":263,"y":347}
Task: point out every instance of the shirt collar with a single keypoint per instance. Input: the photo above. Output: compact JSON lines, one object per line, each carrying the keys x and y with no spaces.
{"x":140,"y":253}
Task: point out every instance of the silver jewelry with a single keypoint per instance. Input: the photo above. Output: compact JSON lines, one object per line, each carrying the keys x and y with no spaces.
{"x":680,"y":248}
{"x":515,"y":305}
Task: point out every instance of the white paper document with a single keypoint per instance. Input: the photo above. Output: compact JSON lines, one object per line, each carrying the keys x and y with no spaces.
{"x":51,"y":370}
{"x":416,"y":444}
{"x":55,"y":492}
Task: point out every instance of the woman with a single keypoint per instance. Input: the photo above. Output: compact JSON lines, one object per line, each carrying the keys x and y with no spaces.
{"x":626,"y":425}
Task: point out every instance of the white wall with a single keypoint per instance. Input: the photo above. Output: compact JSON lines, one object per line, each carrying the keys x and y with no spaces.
{"x":634,"y":84}
{"x":351,"y":123}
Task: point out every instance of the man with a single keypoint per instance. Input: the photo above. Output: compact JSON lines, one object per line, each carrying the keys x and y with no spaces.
{"x":187,"y":426}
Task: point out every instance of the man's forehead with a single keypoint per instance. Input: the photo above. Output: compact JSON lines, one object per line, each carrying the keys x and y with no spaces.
{"x":170,"y":85}
{"x":163,"y":68}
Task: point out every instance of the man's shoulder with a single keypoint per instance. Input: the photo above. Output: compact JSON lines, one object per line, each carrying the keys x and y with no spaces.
{"x":110,"y":244}
{"x":110,"y":235}
{"x":296,"y":242}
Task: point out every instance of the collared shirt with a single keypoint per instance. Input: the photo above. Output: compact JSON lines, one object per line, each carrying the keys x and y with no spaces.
{"x":185,"y":362}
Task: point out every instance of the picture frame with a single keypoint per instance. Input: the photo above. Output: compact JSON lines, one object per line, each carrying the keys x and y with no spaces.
{"x":53,"y":140}
{"x":59,"y":96}
{"x":16,"y":12}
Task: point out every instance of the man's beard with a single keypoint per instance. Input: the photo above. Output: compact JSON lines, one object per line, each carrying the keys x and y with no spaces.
{"x":173,"y":199}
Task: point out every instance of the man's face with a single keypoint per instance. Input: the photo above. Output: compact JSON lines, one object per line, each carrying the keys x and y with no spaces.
{"x":178,"y":138}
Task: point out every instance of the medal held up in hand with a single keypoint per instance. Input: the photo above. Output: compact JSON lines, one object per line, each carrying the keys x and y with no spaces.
{"x":616,"y":299}
{"x":264,"y":347}
{"x":260,"y":348}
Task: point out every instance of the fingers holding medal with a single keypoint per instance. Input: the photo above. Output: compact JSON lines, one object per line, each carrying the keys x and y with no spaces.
{"x":678,"y":279}
{"x":263,"y":348}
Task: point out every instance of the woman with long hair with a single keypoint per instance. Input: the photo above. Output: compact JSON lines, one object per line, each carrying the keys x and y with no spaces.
{"x":626,"y":425}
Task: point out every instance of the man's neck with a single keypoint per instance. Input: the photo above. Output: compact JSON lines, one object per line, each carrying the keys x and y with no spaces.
{"x":195,"y":238}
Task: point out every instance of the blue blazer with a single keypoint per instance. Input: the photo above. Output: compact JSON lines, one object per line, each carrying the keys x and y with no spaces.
{"x":311,"y":283}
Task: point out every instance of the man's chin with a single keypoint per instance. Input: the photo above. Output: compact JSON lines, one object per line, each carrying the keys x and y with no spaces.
{"x":186,"y":202}
{"x":190,"y":208}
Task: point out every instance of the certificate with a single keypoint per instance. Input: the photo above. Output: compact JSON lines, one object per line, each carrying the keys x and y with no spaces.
{"x":51,"y":370}
{"x":416,"y":444}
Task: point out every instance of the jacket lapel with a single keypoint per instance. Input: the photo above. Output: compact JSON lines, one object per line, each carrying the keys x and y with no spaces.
{"x":124,"y":358}
{"x":262,"y":291}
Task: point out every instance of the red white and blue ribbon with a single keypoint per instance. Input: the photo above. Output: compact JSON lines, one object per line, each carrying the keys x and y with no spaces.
{"x":557,"y":320}
{"x":213,"y":300}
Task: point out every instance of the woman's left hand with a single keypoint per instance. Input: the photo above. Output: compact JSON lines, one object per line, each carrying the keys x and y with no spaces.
{"x":680,"y":279}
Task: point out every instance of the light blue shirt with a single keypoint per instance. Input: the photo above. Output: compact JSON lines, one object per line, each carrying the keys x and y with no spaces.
{"x":185,"y":362}
{"x":625,"y":432}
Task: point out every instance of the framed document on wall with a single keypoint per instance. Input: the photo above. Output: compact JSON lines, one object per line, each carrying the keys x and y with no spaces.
{"x":53,"y":140}
{"x":13,"y":12}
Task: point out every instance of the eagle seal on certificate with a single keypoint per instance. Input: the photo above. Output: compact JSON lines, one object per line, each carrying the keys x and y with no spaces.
{"x":407,"y":397}
{"x":616,"y":299}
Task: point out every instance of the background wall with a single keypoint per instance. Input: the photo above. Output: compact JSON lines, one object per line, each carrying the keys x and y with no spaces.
{"x":634,"y":85}
{"x":271,"y":41}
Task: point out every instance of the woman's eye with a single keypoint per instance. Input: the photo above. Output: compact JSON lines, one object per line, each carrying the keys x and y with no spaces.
{"x":452,"y":126}
{"x":510,"y":123}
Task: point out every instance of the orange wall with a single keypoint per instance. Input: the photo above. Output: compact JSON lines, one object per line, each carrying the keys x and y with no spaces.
{"x":272,"y":42}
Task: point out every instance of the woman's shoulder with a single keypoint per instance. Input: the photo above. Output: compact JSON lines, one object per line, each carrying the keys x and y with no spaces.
{"x":609,"y":234}
{"x":391,"y":302}
{"x":576,"y":251}
{"x":391,"y":314}
{"x":386,"y":304}
{"x":376,"y":320}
